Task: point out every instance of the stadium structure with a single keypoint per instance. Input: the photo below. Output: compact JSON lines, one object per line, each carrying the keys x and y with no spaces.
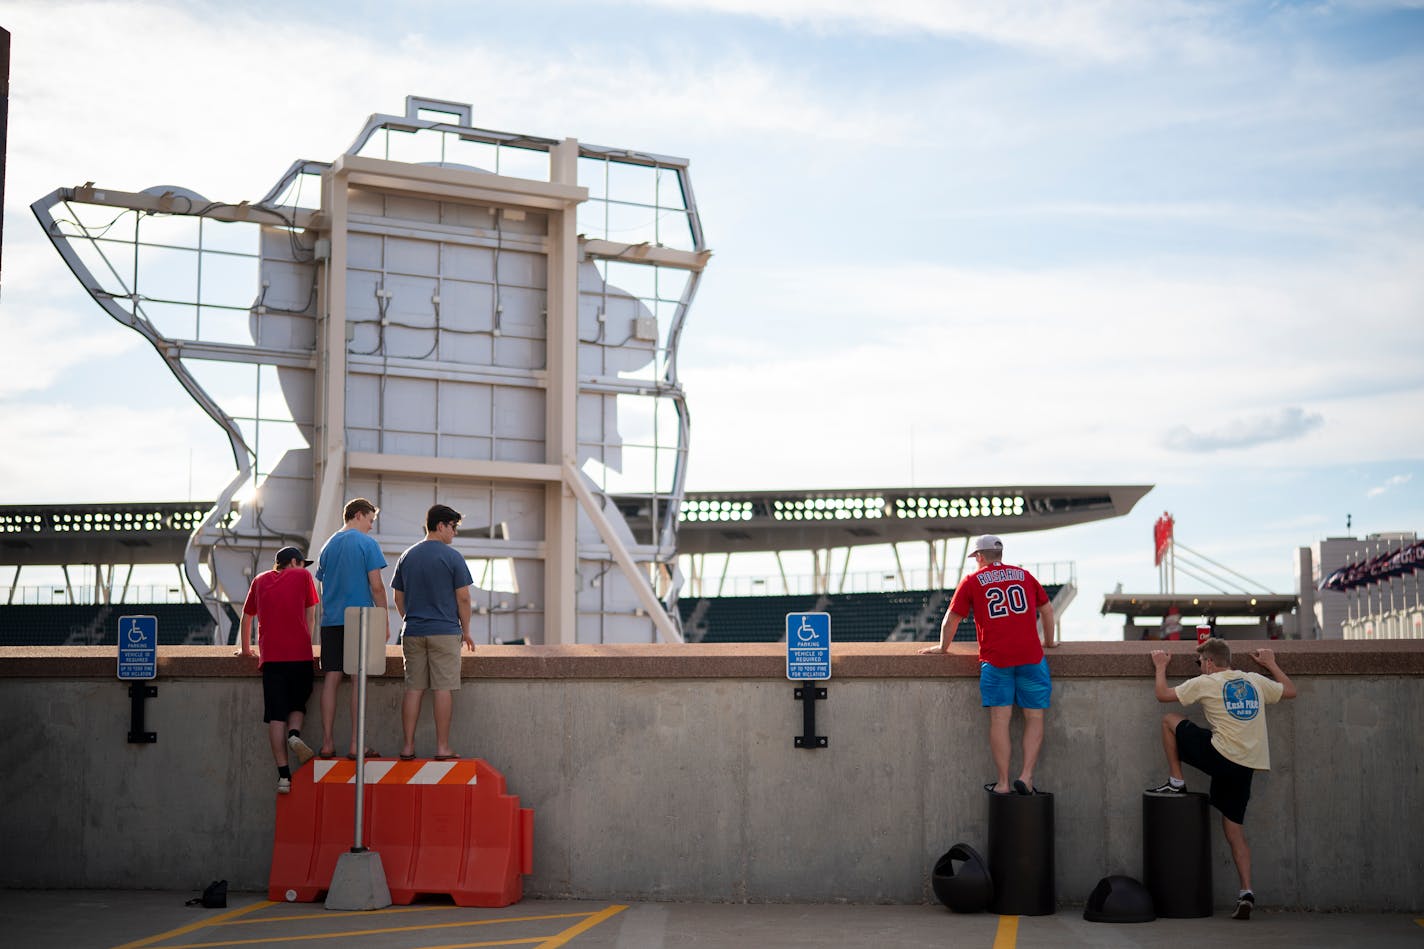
{"x":486,"y":319}
{"x":1346,"y":588}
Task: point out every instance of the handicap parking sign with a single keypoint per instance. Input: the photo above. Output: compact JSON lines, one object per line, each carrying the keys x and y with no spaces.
{"x":138,"y":647}
{"x":808,"y":646}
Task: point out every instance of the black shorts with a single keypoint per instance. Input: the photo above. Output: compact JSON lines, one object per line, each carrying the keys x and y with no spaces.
{"x":286,"y":686}
{"x":333,"y":648}
{"x":1230,"y":782}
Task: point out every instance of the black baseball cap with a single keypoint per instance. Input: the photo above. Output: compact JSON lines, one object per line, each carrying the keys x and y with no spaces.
{"x":288,"y":554}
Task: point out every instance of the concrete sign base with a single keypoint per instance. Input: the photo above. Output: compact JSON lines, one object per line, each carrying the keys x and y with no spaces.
{"x":358,"y":883}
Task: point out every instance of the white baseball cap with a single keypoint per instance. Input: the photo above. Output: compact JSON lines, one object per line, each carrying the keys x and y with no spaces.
{"x":984,"y":543}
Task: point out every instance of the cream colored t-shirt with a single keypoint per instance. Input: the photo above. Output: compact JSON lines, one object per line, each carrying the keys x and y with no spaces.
{"x":1235,"y":705}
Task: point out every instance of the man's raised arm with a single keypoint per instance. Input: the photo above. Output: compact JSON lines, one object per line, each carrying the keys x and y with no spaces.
{"x":1165,"y":693}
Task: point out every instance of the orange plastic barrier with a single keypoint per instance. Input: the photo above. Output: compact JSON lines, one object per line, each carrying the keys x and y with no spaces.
{"x":439,"y":826}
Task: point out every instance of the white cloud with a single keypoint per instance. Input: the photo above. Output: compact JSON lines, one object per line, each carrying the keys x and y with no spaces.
{"x":1107,"y":29}
{"x":1247,"y":432}
{"x":1089,"y":366}
{"x":142,"y":454}
{"x":1392,"y":482}
{"x":48,"y":324}
{"x":43,"y":344}
{"x":217,"y":135}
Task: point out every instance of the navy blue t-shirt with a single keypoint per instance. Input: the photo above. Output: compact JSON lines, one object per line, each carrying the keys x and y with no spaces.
{"x":428,"y":575}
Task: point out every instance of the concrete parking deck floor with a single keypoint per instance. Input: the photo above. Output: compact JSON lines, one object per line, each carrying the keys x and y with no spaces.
{"x":78,"y":919}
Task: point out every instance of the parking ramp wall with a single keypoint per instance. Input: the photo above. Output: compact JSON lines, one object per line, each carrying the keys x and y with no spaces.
{"x":669,"y":772}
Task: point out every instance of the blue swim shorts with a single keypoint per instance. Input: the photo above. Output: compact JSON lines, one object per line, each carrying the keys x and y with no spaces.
{"x":1024,"y":686}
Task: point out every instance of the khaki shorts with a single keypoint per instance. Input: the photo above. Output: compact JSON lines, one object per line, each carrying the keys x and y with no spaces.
{"x":431,"y":662}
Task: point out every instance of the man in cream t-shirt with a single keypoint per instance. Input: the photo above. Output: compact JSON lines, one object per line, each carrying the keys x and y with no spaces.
{"x":1235,"y":747}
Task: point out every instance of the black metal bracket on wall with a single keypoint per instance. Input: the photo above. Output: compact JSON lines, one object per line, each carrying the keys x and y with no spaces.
{"x":808,"y":695}
{"x":137,"y":693}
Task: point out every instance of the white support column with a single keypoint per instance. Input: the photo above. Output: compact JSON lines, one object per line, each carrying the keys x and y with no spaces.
{"x":329,"y":450}
{"x":695,"y":565}
{"x":636,"y":578}
{"x":561,"y":407}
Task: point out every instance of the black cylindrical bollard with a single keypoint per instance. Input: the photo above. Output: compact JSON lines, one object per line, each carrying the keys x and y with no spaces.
{"x":1021,"y":854}
{"x":1176,"y":854}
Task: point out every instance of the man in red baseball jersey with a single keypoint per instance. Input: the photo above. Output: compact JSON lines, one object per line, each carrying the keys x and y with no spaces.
{"x":283,"y":601}
{"x":1008,"y":605}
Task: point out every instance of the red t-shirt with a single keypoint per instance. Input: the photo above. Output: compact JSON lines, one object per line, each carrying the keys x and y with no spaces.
{"x":279,"y":599}
{"x":1005,"y":601}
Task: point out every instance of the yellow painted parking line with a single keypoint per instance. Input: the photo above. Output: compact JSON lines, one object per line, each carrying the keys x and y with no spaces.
{"x":332,"y":914}
{"x":1008,"y":935}
{"x":482,"y":945}
{"x":391,"y":911}
{"x":354,"y":933}
{"x":563,"y":937}
{"x":201,"y":924}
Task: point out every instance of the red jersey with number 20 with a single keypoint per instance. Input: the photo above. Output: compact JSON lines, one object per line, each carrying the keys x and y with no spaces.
{"x":1005,"y":601}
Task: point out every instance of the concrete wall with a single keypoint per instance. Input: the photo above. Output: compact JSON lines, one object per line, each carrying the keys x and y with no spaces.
{"x":669,"y":772}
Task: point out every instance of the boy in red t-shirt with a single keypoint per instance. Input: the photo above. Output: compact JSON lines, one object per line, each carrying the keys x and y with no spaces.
{"x":1008,"y":604}
{"x":283,"y":601}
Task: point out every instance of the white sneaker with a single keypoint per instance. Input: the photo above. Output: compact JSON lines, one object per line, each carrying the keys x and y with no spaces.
{"x":300,"y":749}
{"x":284,"y":785}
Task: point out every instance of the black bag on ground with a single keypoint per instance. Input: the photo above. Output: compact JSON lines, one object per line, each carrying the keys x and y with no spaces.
{"x":214,"y":896}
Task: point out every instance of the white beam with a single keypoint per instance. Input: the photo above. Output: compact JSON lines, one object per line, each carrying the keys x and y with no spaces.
{"x":372,"y":462}
{"x":636,"y":578}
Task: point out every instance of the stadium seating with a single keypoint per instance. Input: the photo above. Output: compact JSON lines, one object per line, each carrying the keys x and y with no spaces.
{"x":750,"y":619}
{"x":872,"y":617}
{"x":91,"y":624}
{"x":855,"y":617}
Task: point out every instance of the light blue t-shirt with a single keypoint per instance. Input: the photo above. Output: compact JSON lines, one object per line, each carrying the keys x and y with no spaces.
{"x":428,"y":575}
{"x":342,"y":568}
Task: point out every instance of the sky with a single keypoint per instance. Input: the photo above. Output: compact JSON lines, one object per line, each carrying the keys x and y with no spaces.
{"x":1163,"y":242}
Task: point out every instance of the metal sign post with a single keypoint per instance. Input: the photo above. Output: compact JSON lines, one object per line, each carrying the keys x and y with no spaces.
{"x":138,"y":660}
{"x":808,"y":658}
{"x":359,"y":881}
{"x":365,"y":637}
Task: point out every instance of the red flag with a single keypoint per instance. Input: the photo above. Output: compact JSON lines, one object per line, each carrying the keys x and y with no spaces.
{"x":1161,"y":537}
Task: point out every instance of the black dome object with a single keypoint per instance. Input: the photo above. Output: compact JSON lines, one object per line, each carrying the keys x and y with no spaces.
{"x":966,"y":888}
{"x":1119,"y":899}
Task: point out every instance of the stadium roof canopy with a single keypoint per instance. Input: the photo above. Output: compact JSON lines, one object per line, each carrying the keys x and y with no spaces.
{"x":711,"y":522}
{"x":735,"y":521}
{"x":142,"y":533}
{"x":1199,"y":604}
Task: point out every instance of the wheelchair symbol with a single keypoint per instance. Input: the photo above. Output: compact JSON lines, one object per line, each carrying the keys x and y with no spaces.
{"x":136,"y":632}
{"x":806,"y":632}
